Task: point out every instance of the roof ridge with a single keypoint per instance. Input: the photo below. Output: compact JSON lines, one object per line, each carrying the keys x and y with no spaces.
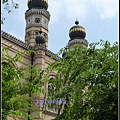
{"x":24,"y":45}
{"x":14,"y":39}
{"x":3,"y":32}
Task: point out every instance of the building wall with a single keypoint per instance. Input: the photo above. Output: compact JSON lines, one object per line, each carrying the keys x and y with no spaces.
{"x":41,"y":60}
{"x":26,"y":58}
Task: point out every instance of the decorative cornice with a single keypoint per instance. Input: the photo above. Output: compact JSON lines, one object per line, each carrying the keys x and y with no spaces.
{"x":78,"y":41}
{"x":50,"y":54}
{"x":47,"y":52}
{"x":74,"y":29}
{"x":43,"y":1}
{"x":39,"y":46}
{"x":37,"y":11}
{"x":25,"y":46}
{"x":36,"y":25}
{"x":15,"y":40}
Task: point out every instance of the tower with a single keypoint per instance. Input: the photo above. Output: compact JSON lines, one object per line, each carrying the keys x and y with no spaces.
{"x":37,"y":18}
{"x":77,"y":36}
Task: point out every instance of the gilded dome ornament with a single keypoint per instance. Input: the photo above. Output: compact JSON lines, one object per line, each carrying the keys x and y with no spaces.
{"x":38,"y":4}
{"x":77,"y":31}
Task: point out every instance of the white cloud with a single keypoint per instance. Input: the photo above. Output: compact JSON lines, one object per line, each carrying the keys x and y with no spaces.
{"x":55,"y":9}
{"x":69,"y":9}
{"x":76,"y":8}
{"x":82,"y":8}
{"x":106,"y":8}
{"x":64,"y":11}
{"x":20,"y":12}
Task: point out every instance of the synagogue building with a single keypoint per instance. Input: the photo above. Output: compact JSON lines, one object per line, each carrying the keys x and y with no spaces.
{"x":36,"y":38}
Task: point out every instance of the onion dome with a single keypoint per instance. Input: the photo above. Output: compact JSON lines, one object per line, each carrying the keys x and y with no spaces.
{"x":38,"y":4}
{"x":77,"y":31}
{"x":40,"y":39}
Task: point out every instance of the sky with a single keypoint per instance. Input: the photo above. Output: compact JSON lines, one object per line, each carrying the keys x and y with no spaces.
{"x":98,"y":17}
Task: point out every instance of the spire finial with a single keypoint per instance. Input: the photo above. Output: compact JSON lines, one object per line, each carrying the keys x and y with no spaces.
{"x":40,"y":31}
{"x":76,"y":22}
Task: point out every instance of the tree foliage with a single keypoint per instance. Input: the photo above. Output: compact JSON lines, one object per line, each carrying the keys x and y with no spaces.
{"x":18,"y":86}
{"x":87,"y":78}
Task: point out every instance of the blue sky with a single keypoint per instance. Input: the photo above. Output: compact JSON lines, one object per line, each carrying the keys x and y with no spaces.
{"x":98,"y":17}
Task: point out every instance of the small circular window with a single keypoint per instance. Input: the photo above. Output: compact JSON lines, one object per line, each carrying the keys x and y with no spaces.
{"x":37,"y":33}
{"x":37,"y":20}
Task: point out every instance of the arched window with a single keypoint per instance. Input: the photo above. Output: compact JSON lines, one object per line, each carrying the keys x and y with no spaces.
{"x":13,"y":64}
{"x":51,"y":93}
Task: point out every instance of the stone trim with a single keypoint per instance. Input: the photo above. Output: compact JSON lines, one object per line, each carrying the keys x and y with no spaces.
{"x":37,"y":11}
{"x":39,"y":46}
{"x":36,"y":25}
{"x":27,"y":56}
{"x":39,"y":64}
{"x":51,"y":113}
{"x":37,"y":57}
{"x":47,"y":52}
{"x":78,"y":41}
{"x":15,"y":40}
{"x":50,"y":54}
{"x":20,"y":43}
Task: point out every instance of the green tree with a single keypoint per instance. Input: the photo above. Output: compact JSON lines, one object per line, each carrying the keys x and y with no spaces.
{"x":18,"y":87}
{"x":9,"y":6}
{"x":87,"y":78}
